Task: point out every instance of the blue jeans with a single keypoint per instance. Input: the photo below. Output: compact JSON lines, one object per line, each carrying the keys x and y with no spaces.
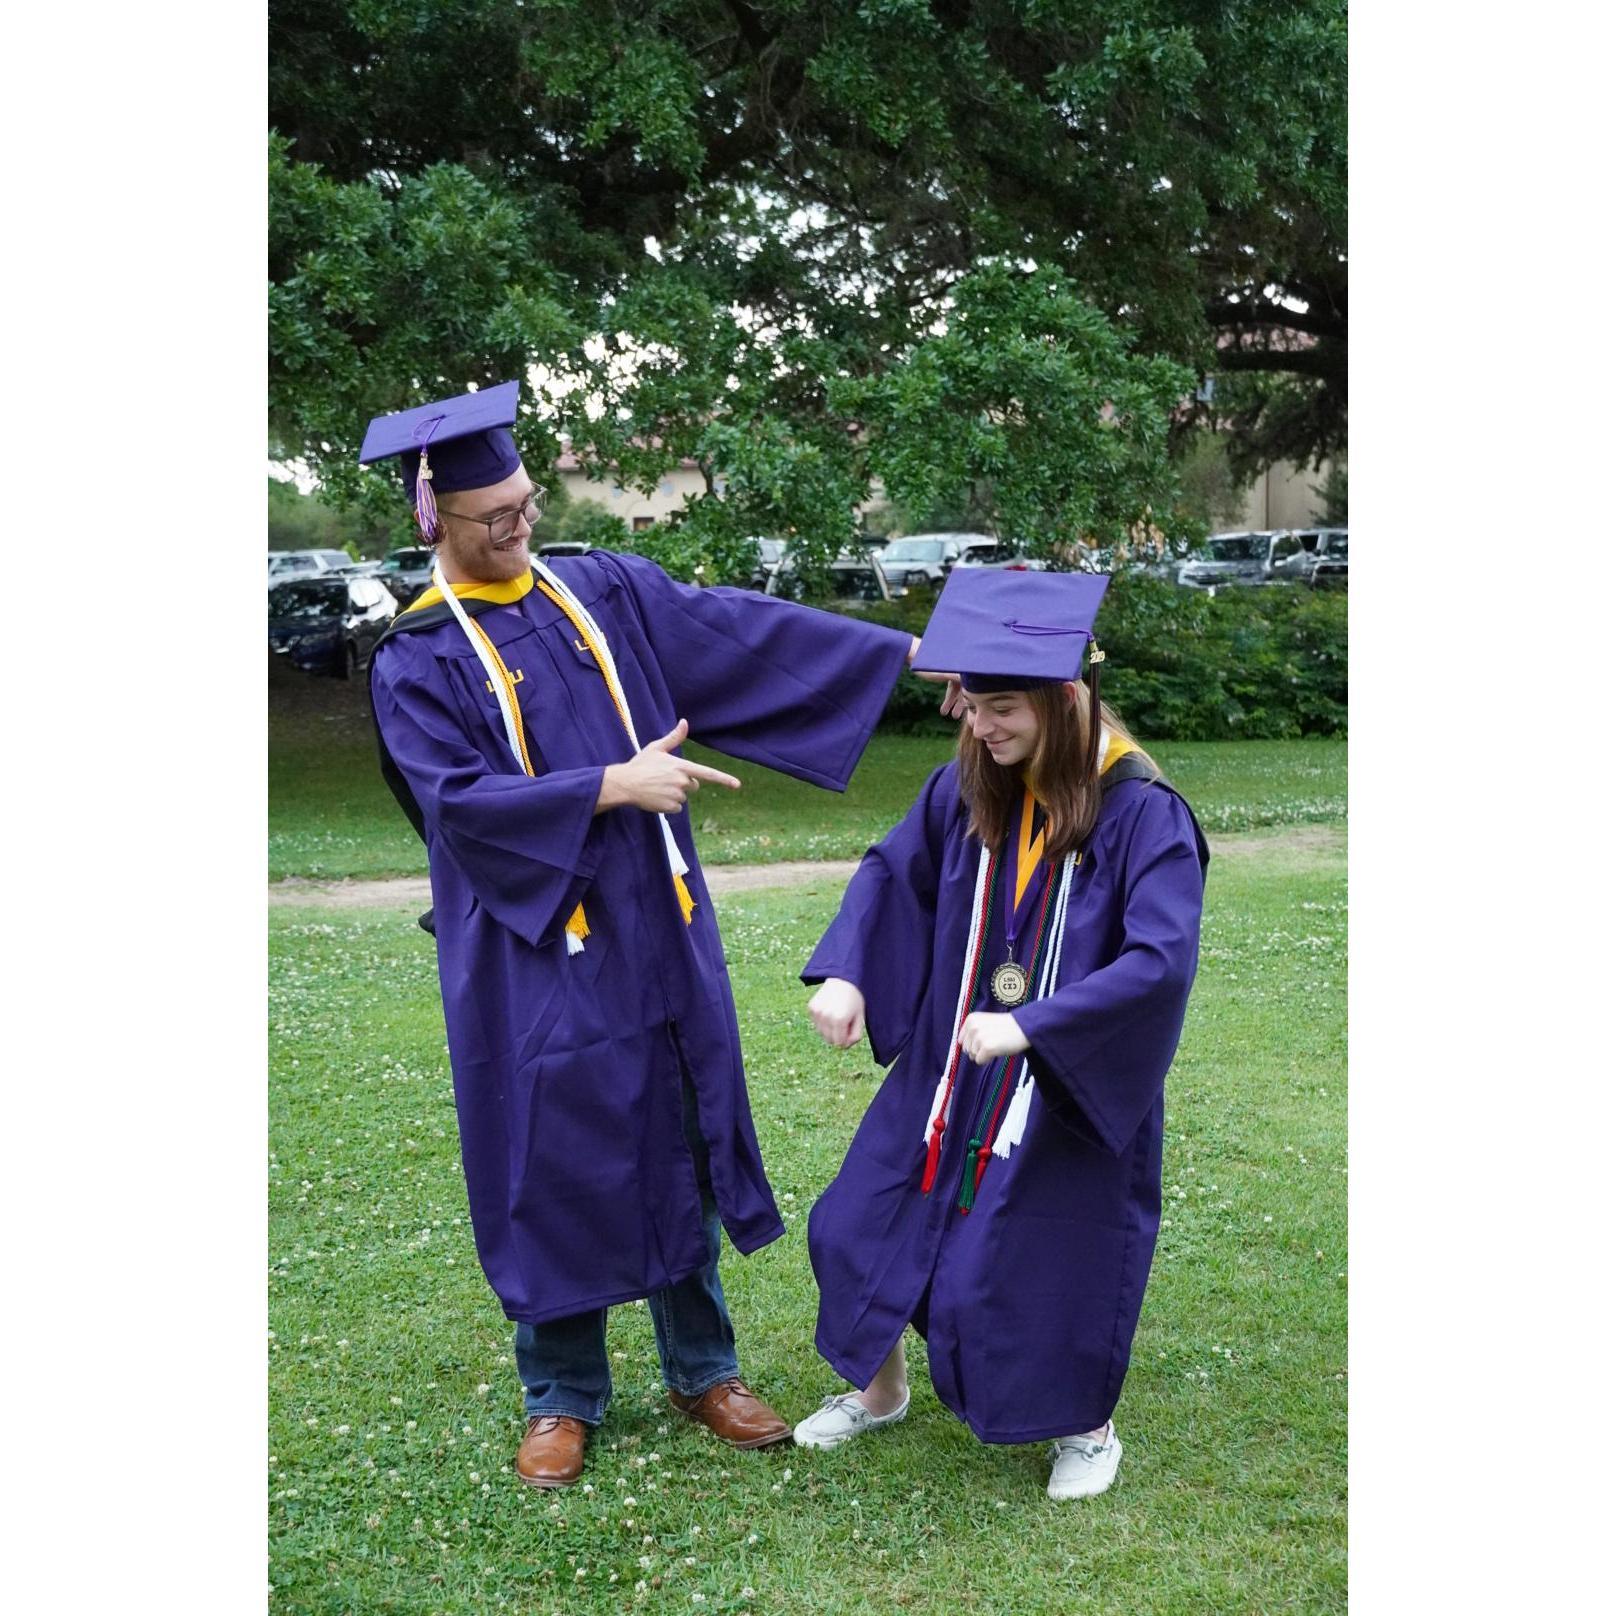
{"x":563,"y":1363}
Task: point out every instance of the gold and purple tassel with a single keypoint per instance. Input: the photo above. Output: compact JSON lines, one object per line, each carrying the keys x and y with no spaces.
{"x":426,"y":505}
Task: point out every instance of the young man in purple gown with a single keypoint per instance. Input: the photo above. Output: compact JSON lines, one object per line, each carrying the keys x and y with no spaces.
{"x":604,"y":1122}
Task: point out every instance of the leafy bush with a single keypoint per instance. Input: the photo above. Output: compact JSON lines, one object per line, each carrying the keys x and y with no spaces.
{"x":1182,"y":665}
{"x":1244,"y":664}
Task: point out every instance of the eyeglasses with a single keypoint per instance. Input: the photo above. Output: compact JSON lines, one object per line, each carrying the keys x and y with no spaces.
{"x":502,"y":524}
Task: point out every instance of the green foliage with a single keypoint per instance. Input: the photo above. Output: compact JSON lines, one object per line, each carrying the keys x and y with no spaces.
{"x":1184,"y":665}
{"x":1053,"y":423}
{"x":1210,"y":495}
{"x":1242,"y":664}
{"x":300,"y":521}
{"x":1332,"y":492}
{"x":462,"y":190}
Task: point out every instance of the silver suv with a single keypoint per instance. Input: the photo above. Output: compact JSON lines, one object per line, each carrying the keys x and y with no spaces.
{"x":1236,"y":558}
{"x":1310,"y":547}
{"x":286,"y":566}
{"x":928,"y":558}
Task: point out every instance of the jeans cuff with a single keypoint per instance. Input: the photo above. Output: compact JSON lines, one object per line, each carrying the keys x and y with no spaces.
{"x":590,"y":1415}
{"x":732,"y":1373}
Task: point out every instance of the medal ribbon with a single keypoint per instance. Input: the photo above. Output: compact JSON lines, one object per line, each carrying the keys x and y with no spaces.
{"x":1029,"y":852}
{"x":1029,"y":848}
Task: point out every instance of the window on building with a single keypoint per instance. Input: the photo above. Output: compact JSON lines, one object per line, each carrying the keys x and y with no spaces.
{"x":641,"y":523}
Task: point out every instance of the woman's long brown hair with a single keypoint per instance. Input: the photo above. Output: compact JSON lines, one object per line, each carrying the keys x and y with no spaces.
{"x":1061,"y":769}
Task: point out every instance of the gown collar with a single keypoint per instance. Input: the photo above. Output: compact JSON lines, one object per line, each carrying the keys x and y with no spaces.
{"x":501,"y":594}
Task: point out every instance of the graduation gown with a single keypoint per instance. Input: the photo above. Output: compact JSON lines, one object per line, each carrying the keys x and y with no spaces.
{"x":1028,"y":1302}
{"x":567,"y":1068}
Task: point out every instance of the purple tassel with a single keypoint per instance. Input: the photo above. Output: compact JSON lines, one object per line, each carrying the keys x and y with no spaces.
{"x":426,"y":505}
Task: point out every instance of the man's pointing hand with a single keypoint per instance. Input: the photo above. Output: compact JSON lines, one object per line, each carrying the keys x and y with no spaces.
{"x":655,"y":780}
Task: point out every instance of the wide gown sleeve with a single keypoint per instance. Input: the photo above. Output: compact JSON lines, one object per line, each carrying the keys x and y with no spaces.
{"x":787,"y":686}
{"x":881,"y":939}
{"x":522,"y":842}
{"x":1101,"y":1047}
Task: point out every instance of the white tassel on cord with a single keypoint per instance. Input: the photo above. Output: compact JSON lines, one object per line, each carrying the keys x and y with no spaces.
{"x":1014,"y":1125}
{"x":940,"y":1098}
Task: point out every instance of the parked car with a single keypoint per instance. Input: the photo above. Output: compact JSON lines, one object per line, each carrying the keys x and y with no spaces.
{"x":1310,"y":545}
{"x":1236,"y":558}
{"x":563,"y":547}
{"x":1330,"y":568}
{"x":405,"y":573}
{"x":927,"y":558}
{"x":856,"y":580}
{"x":1004,"y":554}
{"x":920,"y":559}
{"x":770,"y":553}
{"x":285,"y":565}
{"x":329,"y":625}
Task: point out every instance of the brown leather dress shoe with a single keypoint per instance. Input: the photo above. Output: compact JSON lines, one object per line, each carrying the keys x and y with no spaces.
{"x":552,"y":1452}
{"x":734,"y":1414}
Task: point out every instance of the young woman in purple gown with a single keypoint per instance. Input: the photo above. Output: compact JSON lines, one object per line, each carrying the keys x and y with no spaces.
{"x":1020,"y":949}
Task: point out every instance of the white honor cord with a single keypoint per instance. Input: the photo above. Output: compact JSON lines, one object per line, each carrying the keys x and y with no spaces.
{"x":1015,"y":1116}
{"x":496,"y":678}
{"x":676,"y":859}
{"x":942,"y":1097}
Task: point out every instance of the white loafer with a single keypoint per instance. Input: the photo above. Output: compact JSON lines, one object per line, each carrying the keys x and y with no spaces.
{"x":839,"y":1419}
{"x":1084,"y":1467}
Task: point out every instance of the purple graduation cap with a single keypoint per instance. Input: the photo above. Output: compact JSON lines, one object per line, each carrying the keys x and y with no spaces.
{"x":1011,"y":630}
{"x":1016,"y":631}
{"x":457,"y":443}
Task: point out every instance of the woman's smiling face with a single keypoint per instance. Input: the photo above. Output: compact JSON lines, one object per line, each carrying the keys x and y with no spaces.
{"x":1005,"y":723}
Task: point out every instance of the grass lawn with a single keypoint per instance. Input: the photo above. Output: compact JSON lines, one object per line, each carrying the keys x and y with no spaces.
{"x":330,"y":815}
{"x":394,"y":1404}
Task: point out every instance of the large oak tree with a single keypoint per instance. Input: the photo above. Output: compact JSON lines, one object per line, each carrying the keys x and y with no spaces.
{"x":926,"y":240}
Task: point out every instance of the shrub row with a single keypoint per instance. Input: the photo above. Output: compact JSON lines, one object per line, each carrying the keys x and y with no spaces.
{"x":1182,"y":665}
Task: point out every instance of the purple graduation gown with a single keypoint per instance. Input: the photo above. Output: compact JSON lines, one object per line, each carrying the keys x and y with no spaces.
{"x":567,"y":1069}
{"x":1028,"y":1302}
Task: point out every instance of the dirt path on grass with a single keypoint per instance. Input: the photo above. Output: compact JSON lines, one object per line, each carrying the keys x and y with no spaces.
{"x":1304,"y":842}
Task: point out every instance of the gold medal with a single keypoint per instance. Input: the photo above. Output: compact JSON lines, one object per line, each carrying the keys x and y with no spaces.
{"x":1008,"y":983}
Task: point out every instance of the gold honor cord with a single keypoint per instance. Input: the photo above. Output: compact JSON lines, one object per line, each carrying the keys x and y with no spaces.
{"x":503,"y":683}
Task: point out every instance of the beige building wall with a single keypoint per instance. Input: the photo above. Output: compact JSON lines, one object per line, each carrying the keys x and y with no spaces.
{"x":1284,"y":497}
{"x":635,"y":508}
{"x":676,"y":486}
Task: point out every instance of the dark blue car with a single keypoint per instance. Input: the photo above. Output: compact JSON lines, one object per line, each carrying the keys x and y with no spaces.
{"x":329,"y":625}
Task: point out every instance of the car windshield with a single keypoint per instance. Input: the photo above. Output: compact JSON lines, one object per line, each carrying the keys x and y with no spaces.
{"x":313,"y":599}
{"x":770,"y":550}
{"x":407,"y":560}
{"x":913,"y":550}
{"x":1242,"y":547}
{"x":1336,"y":545}
{"x":288,"y":563}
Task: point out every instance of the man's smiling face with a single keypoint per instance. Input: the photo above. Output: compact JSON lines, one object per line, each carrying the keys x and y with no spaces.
{"x":469,"y":553}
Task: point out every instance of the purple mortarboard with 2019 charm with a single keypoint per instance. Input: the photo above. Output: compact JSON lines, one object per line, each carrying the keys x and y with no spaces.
{"x":1011,"y":630}
{"x":458,"y":443}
